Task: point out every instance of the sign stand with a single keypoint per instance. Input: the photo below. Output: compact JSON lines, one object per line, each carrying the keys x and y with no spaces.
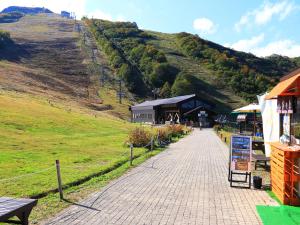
{"x":240,"y":181}
{"x":240,"y":160}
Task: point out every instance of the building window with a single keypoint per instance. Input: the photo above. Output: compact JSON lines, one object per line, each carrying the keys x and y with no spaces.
{"x":149,"y":116}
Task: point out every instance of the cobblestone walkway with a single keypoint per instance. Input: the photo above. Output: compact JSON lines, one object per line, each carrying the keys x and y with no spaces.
{"x":186,"y":184}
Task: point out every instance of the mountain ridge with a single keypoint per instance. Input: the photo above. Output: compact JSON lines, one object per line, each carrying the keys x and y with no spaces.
{"x":26,"y":10}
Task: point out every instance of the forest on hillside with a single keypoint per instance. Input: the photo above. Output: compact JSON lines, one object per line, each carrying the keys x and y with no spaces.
{"x":145,"y":67}
{"x":245,"y":73}
{"x":142,"y":66}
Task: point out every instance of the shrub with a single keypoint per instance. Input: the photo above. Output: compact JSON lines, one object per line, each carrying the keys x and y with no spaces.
{"x":139,"y":137}
{"x":176,"y":130}
{"x":4,"y":38}
{"x":217,"y":127}
{"x":163,"y":133}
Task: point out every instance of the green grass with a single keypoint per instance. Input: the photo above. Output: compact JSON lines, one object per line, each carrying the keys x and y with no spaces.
{"x":108,"y":95}
{"x":34,"y":133}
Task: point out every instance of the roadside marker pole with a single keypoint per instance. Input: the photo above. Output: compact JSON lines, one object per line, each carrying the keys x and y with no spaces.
{"x":61,"y":196}
{"x":131,"y":154}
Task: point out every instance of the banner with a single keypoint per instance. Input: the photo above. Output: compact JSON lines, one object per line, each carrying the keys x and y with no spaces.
{"x":241,"y":150}
{"x":270,"y":118}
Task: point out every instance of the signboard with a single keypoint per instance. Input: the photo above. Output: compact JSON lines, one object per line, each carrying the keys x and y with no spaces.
{"x":202,"y":114}
{"x":241,"y":149}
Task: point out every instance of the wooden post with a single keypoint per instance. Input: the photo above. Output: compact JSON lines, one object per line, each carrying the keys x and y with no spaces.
{"x":152,"y":144}
{"x":61,"y":196}
{"x":131,"y":154}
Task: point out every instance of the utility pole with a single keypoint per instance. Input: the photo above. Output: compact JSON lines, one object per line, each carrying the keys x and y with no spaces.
{"x":102,"y":77}
{"x":93,"y":56}
{"x":84,"y":37}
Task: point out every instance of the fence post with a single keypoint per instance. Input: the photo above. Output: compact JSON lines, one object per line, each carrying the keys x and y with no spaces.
{"x":131,"y":154}
{"x":152,"y":144}
{"x":61,"y":196}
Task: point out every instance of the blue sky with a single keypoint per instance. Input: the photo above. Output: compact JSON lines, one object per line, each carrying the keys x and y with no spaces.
{"x":261,"y":27}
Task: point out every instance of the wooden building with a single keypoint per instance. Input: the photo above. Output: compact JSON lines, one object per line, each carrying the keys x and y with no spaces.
{"x":180,"y":109}
{"x":285,"y":153}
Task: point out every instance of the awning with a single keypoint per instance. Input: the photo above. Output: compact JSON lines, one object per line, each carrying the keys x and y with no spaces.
{"x":285,"y":88}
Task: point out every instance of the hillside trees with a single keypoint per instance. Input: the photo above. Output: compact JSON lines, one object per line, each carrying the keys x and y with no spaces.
{"x":136,"y":58}
{"x":10,"y":17}
{"x":245,"y":73}
{"x":141,"y":65}
{"x":4,"y":38}
{"x":166,"y":91}
{"x":183,"y":85}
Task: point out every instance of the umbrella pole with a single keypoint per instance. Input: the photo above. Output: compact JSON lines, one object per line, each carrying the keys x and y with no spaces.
{"x":254,"y":124}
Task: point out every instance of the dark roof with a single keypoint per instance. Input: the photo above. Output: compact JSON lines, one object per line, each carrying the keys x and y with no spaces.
{"x":165,"y":101}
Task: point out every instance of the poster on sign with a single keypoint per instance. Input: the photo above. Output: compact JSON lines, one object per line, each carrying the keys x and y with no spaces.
{"x":241,"y":150}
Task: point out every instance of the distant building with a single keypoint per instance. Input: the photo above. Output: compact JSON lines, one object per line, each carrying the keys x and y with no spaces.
{"x":181,"y":109}
{"x":65,"y":14}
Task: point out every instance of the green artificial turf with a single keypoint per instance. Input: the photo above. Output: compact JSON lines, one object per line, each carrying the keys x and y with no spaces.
{"x":279,"y":215}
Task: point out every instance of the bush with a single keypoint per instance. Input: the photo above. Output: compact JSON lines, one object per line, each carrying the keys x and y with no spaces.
{"x":176,"y":130}
{"x":4,"y":38}
{"x":217,"y":127}
{"x":139,"y":137}
{"x":163,"y":133}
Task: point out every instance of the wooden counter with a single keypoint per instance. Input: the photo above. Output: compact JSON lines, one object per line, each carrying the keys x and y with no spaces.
{"x":285,"y":173}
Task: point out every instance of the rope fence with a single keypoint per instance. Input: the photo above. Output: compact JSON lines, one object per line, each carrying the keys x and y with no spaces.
{"x":55,"y":177}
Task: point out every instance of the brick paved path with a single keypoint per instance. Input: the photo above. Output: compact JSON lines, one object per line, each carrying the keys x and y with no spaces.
{"x":186,"y":184}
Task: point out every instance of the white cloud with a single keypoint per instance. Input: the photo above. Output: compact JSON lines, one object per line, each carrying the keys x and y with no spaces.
{"x":98,"y":14}
{"x":285,"y":47}
{"x":246,"y":45}
{"x":265,"y":12}
{"x":78,"y":6}
{"x":204,"y":25}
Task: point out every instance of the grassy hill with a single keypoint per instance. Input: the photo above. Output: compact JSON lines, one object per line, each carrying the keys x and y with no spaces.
{"x":35,"y":132}
{"x":177,"y":64}
{"x":48,"y":58}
